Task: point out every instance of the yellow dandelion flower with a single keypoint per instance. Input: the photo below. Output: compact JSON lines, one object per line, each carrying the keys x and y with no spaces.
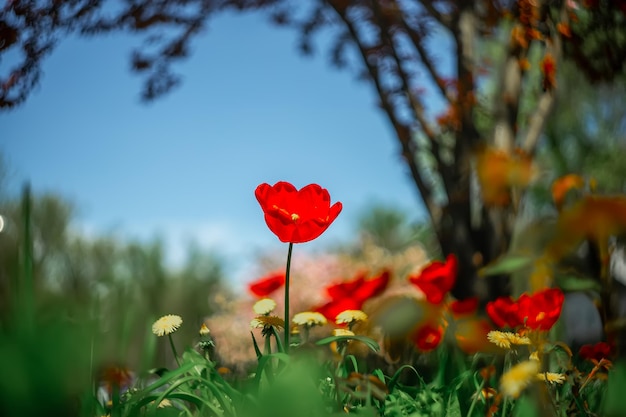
{"x":342,"y":332}
{"x":506,"y":339}
{"x":164,"y":403}
{"x":534,"y":356}
{"x":261,"y":322}
{"x":516,"y":379}
{"x":499,"y":339}
{"x":204,"y":330}
{"x":551,"y":377}
{"x":350,"y":316}
{"x":309,"y":319}
{"x":516,"y":339}
{"x":166,"y":325}
{"x":264,"y":306}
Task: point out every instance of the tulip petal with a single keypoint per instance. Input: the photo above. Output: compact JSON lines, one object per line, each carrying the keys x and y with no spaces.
{"x":296,"y":216}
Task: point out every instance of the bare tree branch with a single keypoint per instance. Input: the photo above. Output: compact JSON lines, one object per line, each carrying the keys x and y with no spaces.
{"x":467,"y":136}
{"x":538,"y":121}
{"x":417,"y":41}
{"x":415,"y":103}
{"x":545,"y":105}
{"x":444,"y":19}
{"x":403,"y":131}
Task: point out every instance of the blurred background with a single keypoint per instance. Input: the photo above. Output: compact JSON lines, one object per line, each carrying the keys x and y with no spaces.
{"x":184,"y":168}
{"x":141,"y":210}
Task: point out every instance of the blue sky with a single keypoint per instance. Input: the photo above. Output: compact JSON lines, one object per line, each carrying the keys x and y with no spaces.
{"x":251,"y":109}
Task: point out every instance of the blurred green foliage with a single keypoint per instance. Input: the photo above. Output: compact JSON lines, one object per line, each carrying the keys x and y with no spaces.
{"x":72,"y":305}
{"x":587,"y":135}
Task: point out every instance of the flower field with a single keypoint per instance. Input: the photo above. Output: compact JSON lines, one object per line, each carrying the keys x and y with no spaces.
{"x":374,"y":344}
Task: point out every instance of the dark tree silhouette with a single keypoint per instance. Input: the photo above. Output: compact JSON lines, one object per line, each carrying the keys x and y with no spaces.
{"x":389,"y":44}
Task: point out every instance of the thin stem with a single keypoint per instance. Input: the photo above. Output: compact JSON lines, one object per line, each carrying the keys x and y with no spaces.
{"x":173,"y":349}
{"x":279,"y":344}
{"x":507,"y":366}
{"x":25,"y":286}
{"x":287,"y":322}
{"x":479,"y":392}
{"x":268,"y":343}
{"x":115,"y":400}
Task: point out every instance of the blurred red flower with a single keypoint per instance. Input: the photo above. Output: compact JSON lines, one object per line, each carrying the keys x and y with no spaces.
{"x":503,"y":312}
{"x":266,"y":285}
{"x":428,"y":337}
{"x":333,"y":308}
{"x":351,"y":295}
{"x":548,"y":68}
{"x":597,"y":352}
{"x":461,"y":308}
{"x":541,"y":310}
{"x":436,"y":279}
{"x":118,"y":377}
{"x":538,"y":311}
{"x":296,"y":216}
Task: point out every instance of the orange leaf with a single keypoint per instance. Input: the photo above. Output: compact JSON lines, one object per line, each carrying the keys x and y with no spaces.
{"x":498,"y":172}
{"x":562,"y":185}
{"x":593,"y":217}
{"x":564,"y":29}
{"x":471,"y":336}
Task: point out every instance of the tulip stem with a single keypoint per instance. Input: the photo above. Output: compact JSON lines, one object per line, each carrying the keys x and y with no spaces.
{"x":287,"y":322}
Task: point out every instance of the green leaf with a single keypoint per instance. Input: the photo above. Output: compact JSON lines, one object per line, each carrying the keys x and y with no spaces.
{"x":279,"y":341}
{"x":573,"y":282}
{"x":396,"y":376}
{"x":614,"y":400}
{"x":266,"y":361}
{"x":454,"y":408}
{"x":169,"y":377}
{"x":525,"y":407}
{"x":367,"y":341}
{"x":256,"y":347}
{"x":506,"y":264}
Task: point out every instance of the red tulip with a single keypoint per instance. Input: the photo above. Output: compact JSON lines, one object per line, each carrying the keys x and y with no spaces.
{"x":346,"y":288}
{"x":333,"y":308}
{"x":428,"y":337}
{"x":351,"y":295}
{"x":266,"y":285}
{"x":538,"y":311}
{"x":541,"y":310}
{"x":436,"y":279}
{"x":503,"y":312}
{"x":461,"y":308}
{"x":360,"y":288}
{"x":296,"y":216}
{"x":372,"y":287}
{"x":597,"y":352}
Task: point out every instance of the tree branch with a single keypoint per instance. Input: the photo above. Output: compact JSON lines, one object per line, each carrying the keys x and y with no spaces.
{"x":416,"y":39}
{"x":444,"y":19}
{"x":546,"y":101}
{"x":415,"y":104}
{"x":403,"y":131}
{"x":538,"y":121}
{"x":467,"y":136}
